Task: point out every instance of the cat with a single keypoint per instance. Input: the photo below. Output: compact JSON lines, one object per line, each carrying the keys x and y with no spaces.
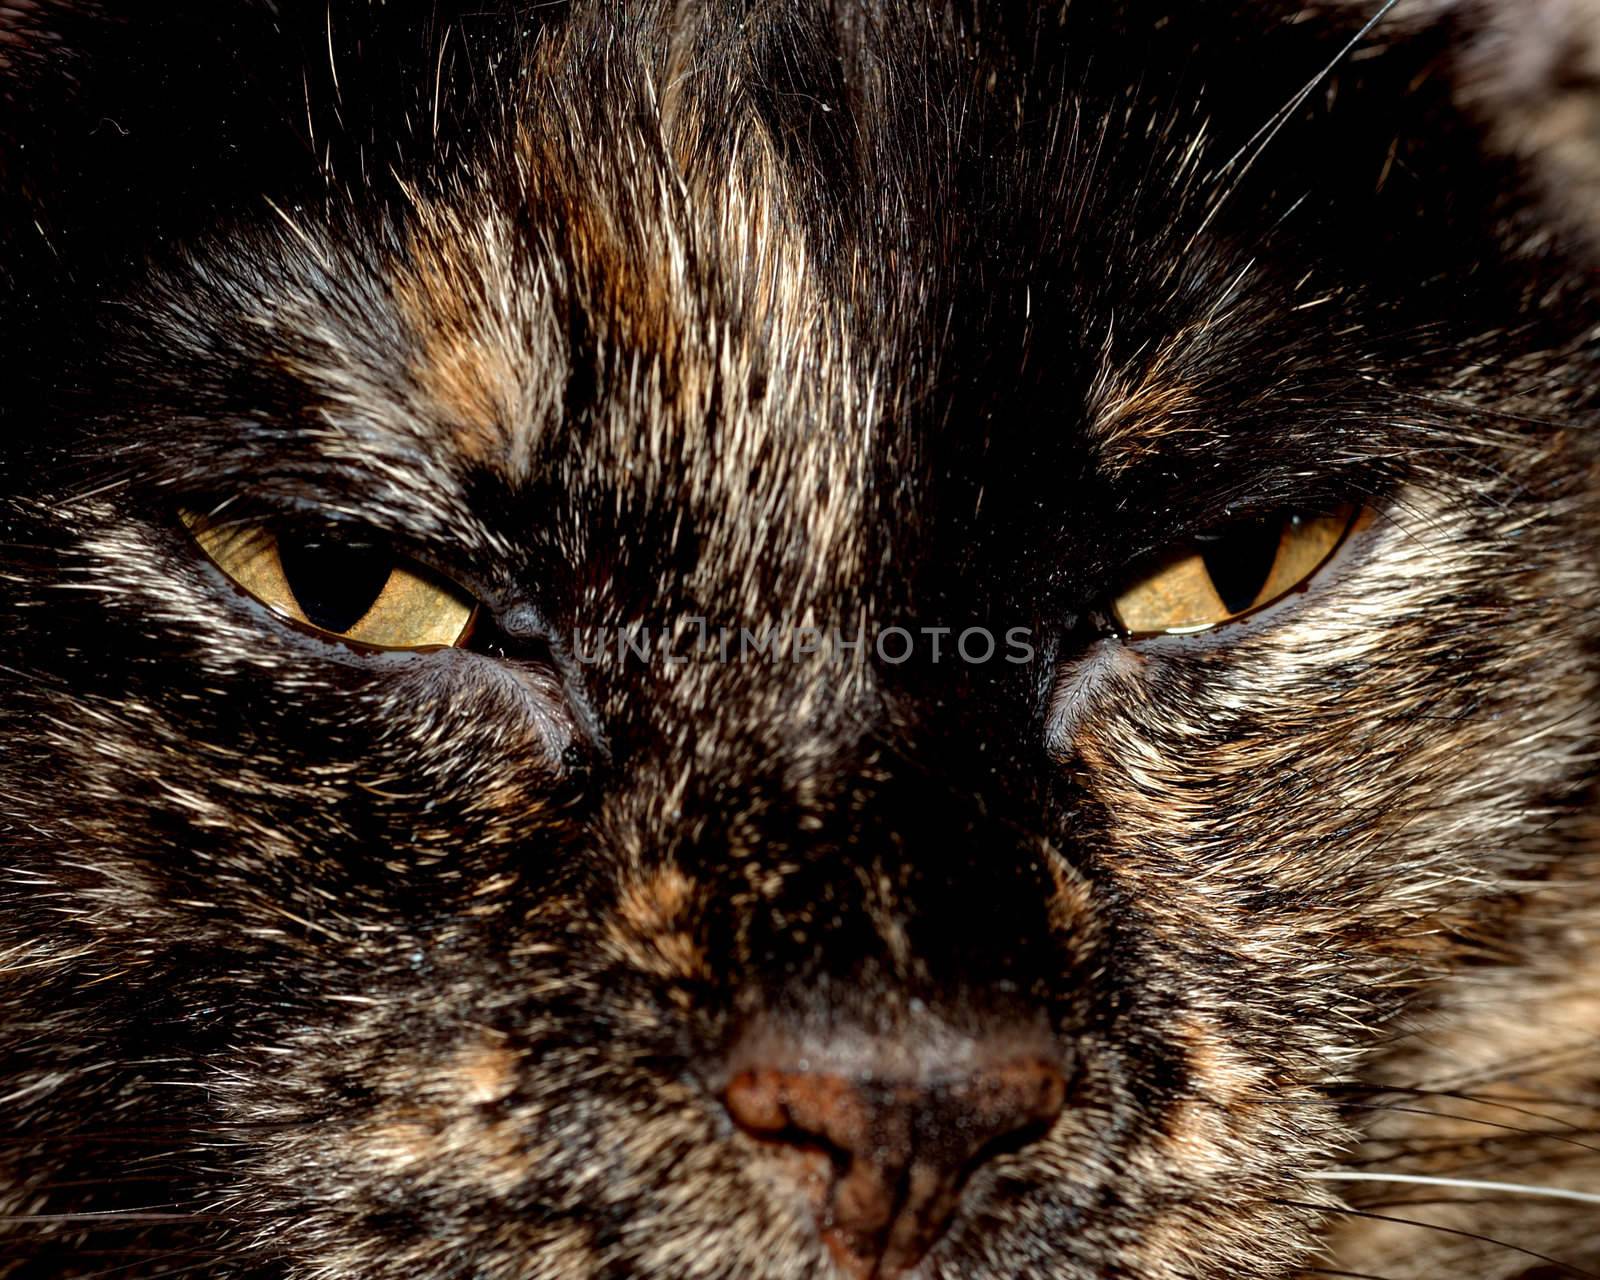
{"x":797,"y":640}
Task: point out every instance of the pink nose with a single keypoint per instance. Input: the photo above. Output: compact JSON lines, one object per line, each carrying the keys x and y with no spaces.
{"x":901,"y":1149}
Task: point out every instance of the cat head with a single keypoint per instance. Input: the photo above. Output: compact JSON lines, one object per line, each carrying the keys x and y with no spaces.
{"x":775,"y":642}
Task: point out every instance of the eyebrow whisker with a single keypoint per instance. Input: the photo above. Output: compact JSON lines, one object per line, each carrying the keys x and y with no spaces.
{"x":1465,"y":1184}
{"x":1262,"y":138}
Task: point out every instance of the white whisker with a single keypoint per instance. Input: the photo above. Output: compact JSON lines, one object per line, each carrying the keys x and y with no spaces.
{"x":1275,"y":123}
{"x":1465,"y":1184}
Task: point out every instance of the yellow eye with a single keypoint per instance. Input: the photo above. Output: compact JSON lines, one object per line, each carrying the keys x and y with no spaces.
{"x":1217,"y":579}
{"x":353,"y":588}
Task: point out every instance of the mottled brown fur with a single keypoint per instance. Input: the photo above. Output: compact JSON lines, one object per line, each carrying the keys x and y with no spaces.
{"x":323,"y":964}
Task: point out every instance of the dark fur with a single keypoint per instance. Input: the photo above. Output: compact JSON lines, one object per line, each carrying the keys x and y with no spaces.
{"x":327,"y":966}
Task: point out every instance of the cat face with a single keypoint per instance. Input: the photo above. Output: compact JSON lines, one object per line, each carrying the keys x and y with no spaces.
{"x":786,"y":645}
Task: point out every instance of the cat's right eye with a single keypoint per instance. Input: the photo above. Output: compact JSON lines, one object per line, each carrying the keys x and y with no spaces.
{"x":350,"y":586}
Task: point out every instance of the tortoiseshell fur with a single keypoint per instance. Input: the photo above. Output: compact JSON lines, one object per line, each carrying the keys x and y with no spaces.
{"x":325,"y":965}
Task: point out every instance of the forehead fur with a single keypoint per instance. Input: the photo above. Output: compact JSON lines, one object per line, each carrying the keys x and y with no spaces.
{"x":621,"y":296}
{"x":652,"y":305}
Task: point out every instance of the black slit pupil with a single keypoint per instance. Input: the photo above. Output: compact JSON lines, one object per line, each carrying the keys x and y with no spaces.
{"x":334,"y":582}
{"x":1239,"y":562}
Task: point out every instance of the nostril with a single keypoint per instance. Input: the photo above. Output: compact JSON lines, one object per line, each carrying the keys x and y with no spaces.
{"x":801,"y":1106}
{"x":902,"y":1145}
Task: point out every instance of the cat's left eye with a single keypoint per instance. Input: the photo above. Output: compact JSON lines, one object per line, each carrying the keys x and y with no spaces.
{"x":1231,"y":574}
{"x":341,"y":584}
